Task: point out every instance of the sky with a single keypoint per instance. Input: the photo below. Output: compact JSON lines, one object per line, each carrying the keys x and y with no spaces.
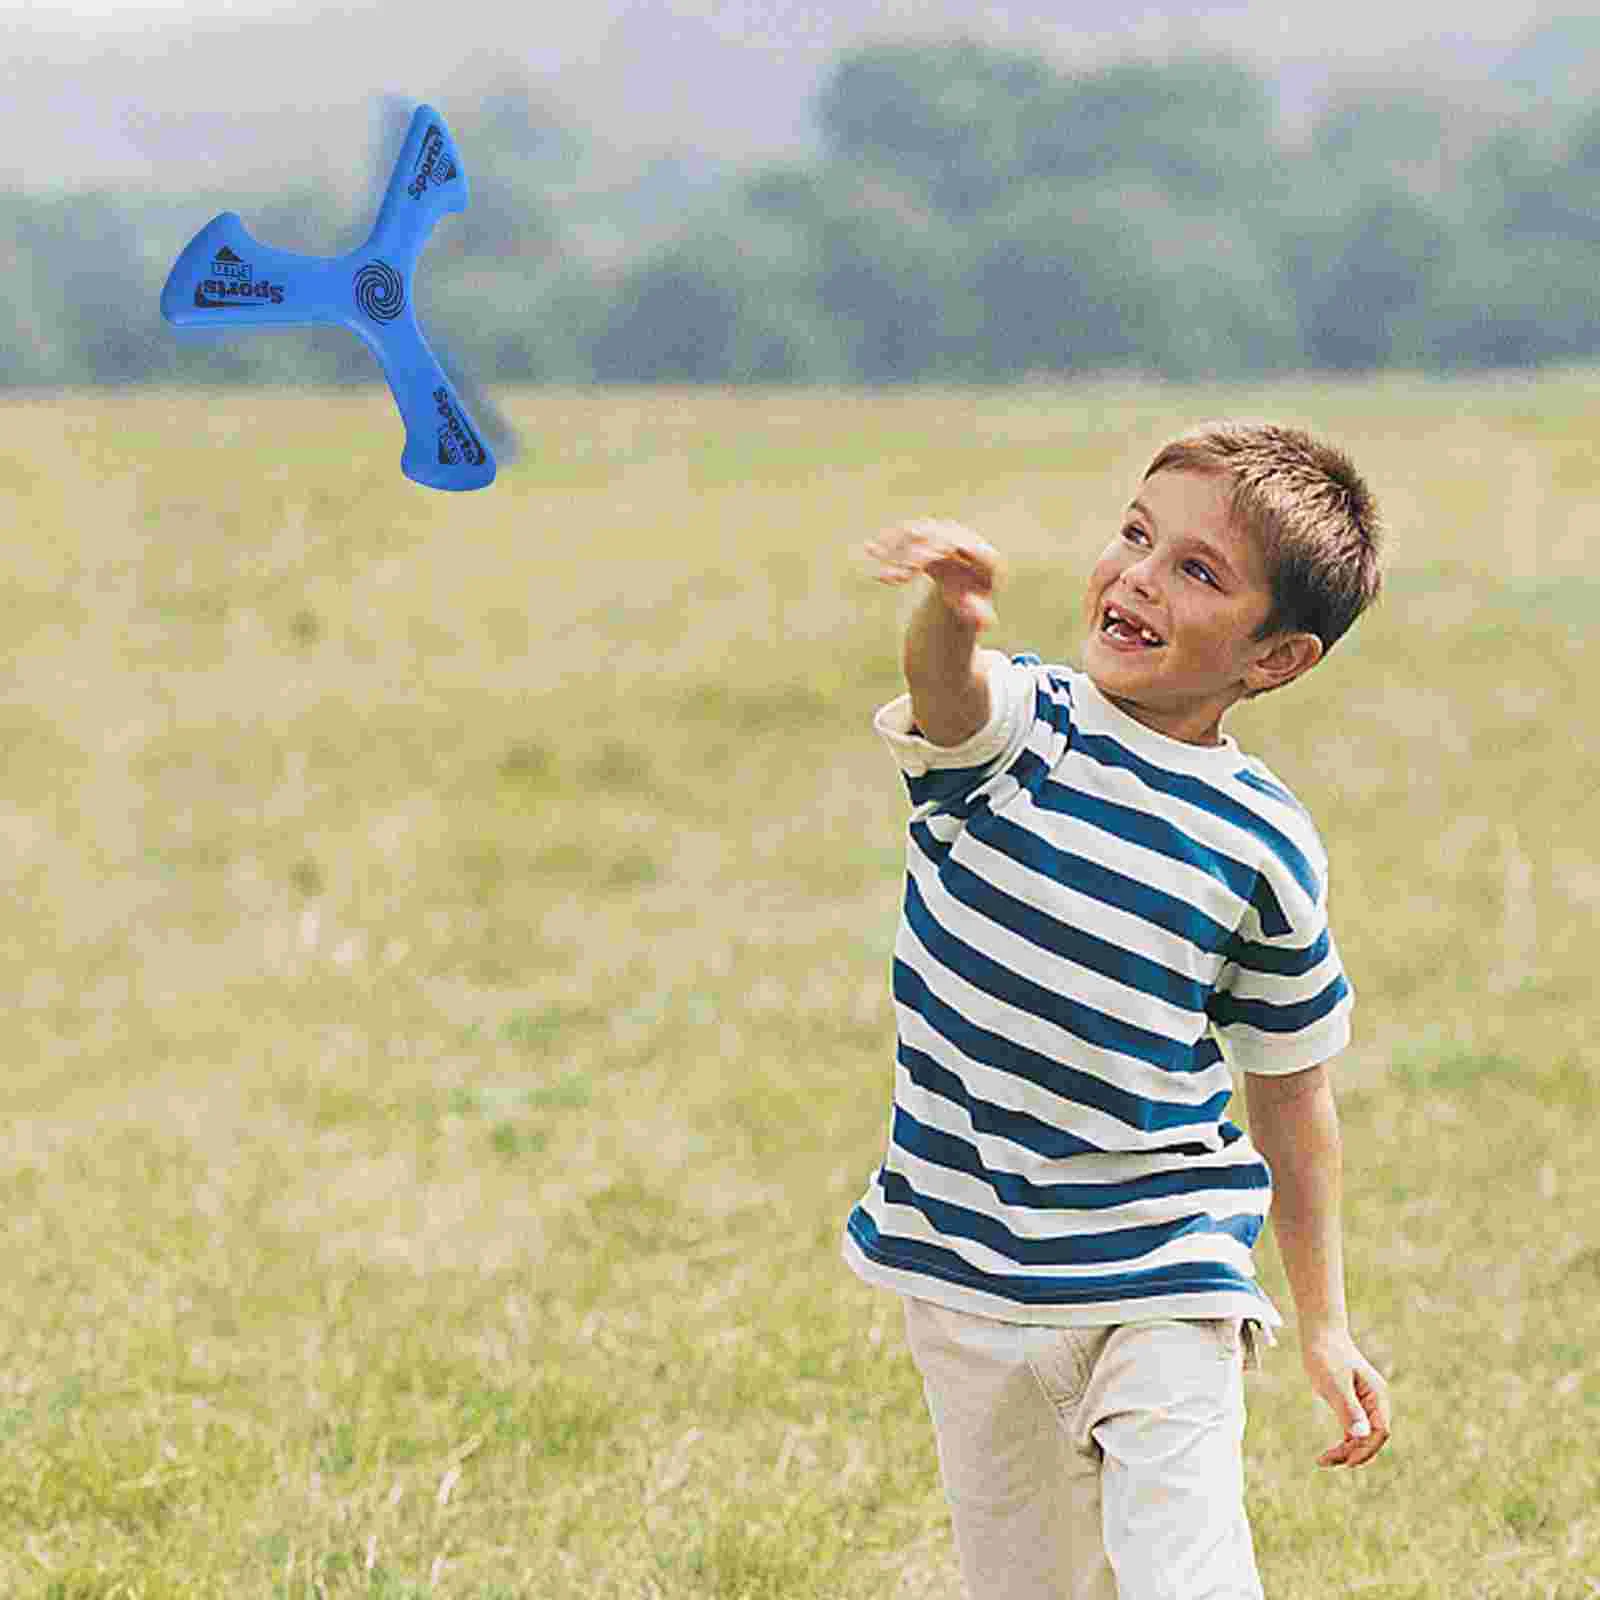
{"x":97,"y":92}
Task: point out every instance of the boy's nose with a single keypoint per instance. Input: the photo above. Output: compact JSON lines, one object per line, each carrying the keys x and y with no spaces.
{"x":1137,"y":578}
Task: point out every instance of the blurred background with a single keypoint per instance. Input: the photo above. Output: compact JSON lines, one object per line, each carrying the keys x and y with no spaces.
{"x":825,"y":191}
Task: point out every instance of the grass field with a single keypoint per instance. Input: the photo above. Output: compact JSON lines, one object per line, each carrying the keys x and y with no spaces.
{"x":450,"y":938}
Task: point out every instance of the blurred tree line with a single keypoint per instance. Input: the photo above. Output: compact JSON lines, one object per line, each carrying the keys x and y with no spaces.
{"x":974,"y":214}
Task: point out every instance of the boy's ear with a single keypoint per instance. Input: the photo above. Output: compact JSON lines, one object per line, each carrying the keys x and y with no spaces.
{"x":1282,"y":661}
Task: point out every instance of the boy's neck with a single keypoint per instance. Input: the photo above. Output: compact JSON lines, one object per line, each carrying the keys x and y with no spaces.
{"x":1202,"y":728}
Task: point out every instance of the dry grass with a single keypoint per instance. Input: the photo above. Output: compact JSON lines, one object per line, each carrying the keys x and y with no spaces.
{"x":450,"y":1024}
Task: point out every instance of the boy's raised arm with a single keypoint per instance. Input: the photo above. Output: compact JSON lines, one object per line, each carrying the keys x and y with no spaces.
{"x":943,"y":665}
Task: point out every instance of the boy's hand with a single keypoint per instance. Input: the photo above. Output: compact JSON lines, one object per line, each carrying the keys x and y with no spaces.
{"x":963,"y":567}
{"x":1356,"y":1392}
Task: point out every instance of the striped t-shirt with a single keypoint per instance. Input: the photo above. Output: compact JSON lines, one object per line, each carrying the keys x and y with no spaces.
{"x":1098,"y":921}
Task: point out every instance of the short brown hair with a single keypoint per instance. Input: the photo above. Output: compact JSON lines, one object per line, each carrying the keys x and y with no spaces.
{"x":1304,"y":501}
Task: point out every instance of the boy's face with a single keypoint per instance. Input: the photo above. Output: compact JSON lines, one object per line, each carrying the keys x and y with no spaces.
{"x":1180,"y":569}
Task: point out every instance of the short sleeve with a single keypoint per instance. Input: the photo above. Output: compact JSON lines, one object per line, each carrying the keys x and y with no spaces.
{"x":1283,"y":1002}
{"x":941,"y":774}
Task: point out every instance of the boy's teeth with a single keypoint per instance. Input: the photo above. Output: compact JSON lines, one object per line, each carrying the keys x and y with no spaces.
{"x":1119,"y":624}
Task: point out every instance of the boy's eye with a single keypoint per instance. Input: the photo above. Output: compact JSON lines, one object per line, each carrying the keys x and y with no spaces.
{"x":1133,"y":531}
{"x":1204,"y":572}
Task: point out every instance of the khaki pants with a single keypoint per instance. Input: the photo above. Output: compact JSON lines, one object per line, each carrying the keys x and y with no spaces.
{"x":1090,"y":1463}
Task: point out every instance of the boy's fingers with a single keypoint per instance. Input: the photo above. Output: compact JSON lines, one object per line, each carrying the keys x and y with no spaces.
{"x":1346,"y":1407}
{"x":922,"y":543}
{"x":895,"y":562}
{"x":1358,"y":1452}
{"x":1372,"y":1431}
{"x":904,"y":555}
{"x":1373,"y":1393}
{"x":1339,"y":1391}
{"x":963,"y":566}
{"x":1360,"y":1405}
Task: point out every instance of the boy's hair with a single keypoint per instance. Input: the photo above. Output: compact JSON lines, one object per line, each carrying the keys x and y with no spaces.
{"x":1314,"y":518}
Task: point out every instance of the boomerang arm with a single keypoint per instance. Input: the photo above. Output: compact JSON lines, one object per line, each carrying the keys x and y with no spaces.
{"x":444,"y":447}
{"x":225,"y":278}
{"x":428,"y":182}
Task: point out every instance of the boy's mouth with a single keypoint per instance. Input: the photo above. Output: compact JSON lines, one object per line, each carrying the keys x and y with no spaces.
{"x":1127,"y":632}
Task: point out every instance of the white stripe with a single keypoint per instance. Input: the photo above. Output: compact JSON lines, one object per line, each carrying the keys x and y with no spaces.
{"x":1127,"y":930}
{"x":906,"y":1222}
{"x":1009,"y":1091}
{"x":1041,"y":1224}
{"x":1089,"y":1313}
{"x":1012,"y":1092}
{"x":1117,"y":1070}
{"x":1181,"y":880}
{"x":1207,"y":827}
{"x":1244,"y":983}
{"x":1061,"y":975}
{"x":1003,"y":1155}
{"x":1255,"y":1050}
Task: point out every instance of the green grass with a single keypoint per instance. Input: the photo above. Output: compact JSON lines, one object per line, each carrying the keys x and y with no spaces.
{"x":451,"y":1028}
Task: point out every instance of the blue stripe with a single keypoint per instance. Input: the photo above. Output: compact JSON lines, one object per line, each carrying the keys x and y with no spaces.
{"x":1275,"y":791}
{"x":1151,"y":832}
{"x":912,"y":1255}
{"x":1001,"y":1122}
{"x":1071,"y":944}
{"x":1278,"y":961}
{"x":1156,"y":834}
{"x":1074,"y":1250}
{"x":944,"y":784}
{"x":1069,"y":1083}
{"x":955,"y":1154}
{"x":1269,"y":911}
{"x":1084,"y":1022}
{"x":1225,"y":1009}
{"x":1030,"y":772}
{"x":1021,"y":1128}
{"x":1055,"y":714}
{"x":1093,"y":879}
{"x":965,"y":800}
{"x":1182,"y":786}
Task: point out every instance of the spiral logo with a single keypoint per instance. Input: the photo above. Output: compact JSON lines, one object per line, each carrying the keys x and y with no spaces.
{"x":380,"y":291}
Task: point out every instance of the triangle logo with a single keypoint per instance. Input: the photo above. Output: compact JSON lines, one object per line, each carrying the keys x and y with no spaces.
{"x":225,"y":254}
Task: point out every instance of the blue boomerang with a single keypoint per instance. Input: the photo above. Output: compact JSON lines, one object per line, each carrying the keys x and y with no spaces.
{"x":226,"y":280}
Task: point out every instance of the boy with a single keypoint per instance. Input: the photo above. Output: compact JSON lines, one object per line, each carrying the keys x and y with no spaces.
{"x":1103,"y":896}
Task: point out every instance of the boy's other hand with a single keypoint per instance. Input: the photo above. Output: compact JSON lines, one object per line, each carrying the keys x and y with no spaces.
{"x":1357,"y":1393}
{"x":963,"y":567}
